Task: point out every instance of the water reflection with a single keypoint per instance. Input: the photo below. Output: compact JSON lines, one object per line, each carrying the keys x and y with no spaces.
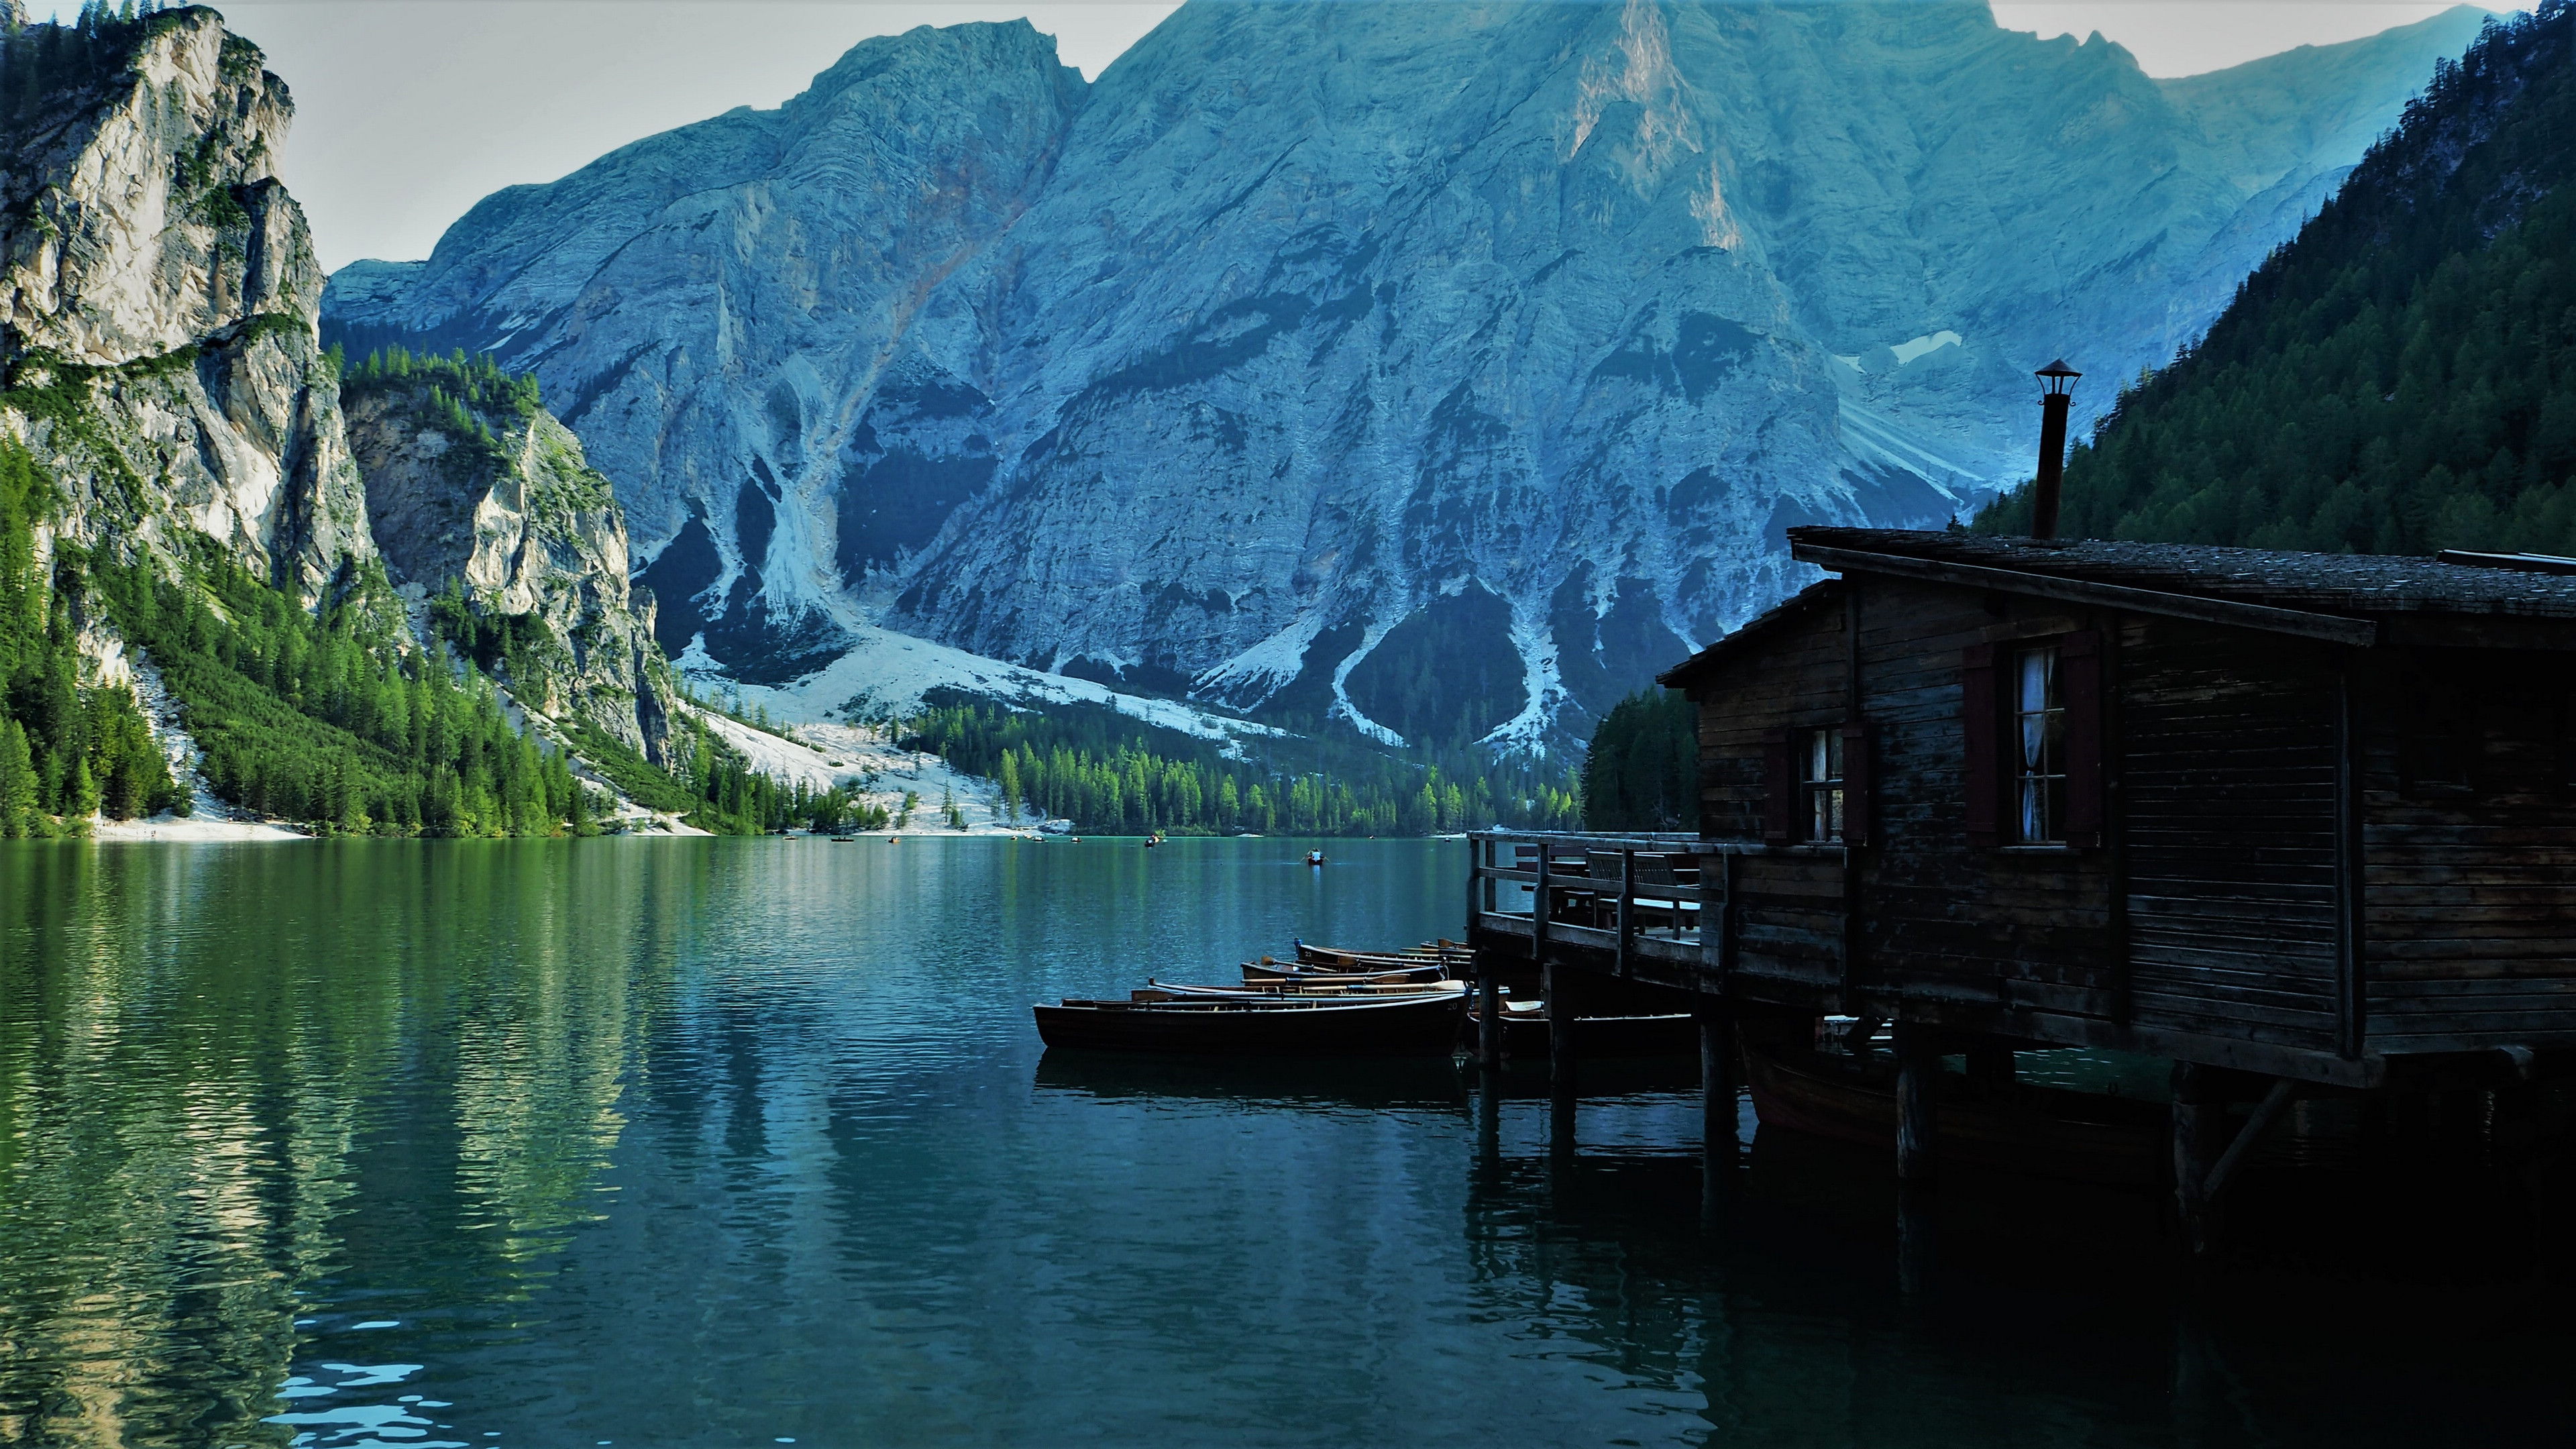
{"x":1363,"y":1085}
{"x":171,"y":1160}
{"x":681,"y":1142}
{"x":1780,"y":1307}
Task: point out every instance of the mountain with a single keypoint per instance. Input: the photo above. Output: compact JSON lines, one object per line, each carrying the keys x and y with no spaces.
{"x":707,"y":303}
{"x":475,"y":489}
{"x":191,"y":524}
{"x":2402,"y":377}
{"x":1442,"y":369}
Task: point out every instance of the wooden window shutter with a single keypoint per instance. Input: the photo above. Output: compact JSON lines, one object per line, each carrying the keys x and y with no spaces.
{"x":2079,"y":660}
{"x":1856,"y":783}
{"x":1981,"y":771}
{"x":2563,"y":787}
{"x":1779,"y":786}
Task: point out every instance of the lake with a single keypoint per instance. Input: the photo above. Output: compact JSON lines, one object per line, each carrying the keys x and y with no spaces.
{"x":663,"y":1142}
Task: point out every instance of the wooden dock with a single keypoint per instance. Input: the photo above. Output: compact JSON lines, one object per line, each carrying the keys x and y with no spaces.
{"x":2296,"y":824}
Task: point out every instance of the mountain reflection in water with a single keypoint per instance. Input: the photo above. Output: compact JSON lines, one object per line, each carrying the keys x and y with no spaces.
{"x":678,"y":1142}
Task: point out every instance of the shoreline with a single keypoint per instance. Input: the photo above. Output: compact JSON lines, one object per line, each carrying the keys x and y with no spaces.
{"x":190,"y":830}
{"x":195,"y":830}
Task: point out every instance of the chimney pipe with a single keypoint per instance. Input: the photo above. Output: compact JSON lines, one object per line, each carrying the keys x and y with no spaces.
{"x":2059,"y":379}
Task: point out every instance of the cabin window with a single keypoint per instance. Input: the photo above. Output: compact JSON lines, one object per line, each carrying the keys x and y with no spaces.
{"x":1815,"y":785}
{"x":2031,"y":715}
{"x":2440,"y":743}
{"x":2039,"y":719}
{"x":1821,"y":776}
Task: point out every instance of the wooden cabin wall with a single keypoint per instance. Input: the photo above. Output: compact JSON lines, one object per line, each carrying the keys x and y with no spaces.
{"x":1947,"y":920}
{"x":2214,"y":910}
{"x":1788,"y":903}
{"x":2224,"y":743}
{"x":2469,"y":849}
{"x":2228,"y":745}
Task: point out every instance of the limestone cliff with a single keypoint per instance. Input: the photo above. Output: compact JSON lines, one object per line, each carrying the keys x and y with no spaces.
{"x":159,"y":361}
{"x":471,"y":485}
{"x":158,"y":294}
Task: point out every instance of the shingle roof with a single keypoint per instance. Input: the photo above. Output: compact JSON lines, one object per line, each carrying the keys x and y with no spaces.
{"x":2338,"y":583}
{"x":1755,"y":629}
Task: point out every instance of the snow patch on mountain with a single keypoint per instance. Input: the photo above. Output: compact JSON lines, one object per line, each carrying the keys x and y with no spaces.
{"x":887,"y":676}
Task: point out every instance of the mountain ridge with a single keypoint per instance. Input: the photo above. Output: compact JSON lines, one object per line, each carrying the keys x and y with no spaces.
{"x":1313,"y":348}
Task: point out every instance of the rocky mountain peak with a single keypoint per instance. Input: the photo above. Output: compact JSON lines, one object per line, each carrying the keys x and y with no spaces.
{"x":1441,"y":369}
{"x":139,"y":207}
{"x":158,"y":296}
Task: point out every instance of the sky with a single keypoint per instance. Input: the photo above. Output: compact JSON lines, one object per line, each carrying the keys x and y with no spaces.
{"x":410,"y":111}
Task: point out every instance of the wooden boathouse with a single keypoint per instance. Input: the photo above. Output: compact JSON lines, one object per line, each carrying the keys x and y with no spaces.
{"x":2297,"y":823}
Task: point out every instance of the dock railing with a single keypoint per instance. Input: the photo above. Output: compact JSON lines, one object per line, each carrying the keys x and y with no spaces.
{"x":1645,"y":895}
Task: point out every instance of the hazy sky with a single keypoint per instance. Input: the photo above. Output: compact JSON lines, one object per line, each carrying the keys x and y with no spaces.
{"x":410,"y":111}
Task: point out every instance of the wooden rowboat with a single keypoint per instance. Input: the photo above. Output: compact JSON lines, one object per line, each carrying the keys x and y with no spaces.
{"x":1394,"y":1026}
{"x":1271,"y":989}
{"x":2018,"y":1126}
{"x":1442,"y":952}
{"x":1266,"y":969}
{"x":1525,"y":1035}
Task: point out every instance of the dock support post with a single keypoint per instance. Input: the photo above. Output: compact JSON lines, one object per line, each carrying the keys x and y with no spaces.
{"x":1991,"y":1063}
{"x":1918,"y":1073}
{"x":1720,"y":1152}
{"x":1561,"y":1066}
{"x":2197,"y":1116}
{"x":1717,"y":1078}
{"x":1489,"y":1017}
{"x":1916,"y":1237}
{"x":1489,"y":1129}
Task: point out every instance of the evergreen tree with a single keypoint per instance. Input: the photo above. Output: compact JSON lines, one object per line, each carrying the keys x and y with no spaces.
{"x":1107,"y":772}
{"x":81,"y":802}
{"x":1642,"y":771}
{"x":18,"y":817}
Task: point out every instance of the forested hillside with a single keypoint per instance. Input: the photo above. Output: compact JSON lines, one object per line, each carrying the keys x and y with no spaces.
{"x":1642,"y":771}
{"x":1106,"y":772}
{"x":2402,"y":377}
{"x":65,"y":751}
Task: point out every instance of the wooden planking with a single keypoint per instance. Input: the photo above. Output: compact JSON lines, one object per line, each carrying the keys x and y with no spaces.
{"x":2470,"y":901}
{"x":1796,"y":679}
{"x":2228,"y":784}
{"x":2507,"y":1012}
{"x":1788,"y":902}
{"x":1937,"y":911}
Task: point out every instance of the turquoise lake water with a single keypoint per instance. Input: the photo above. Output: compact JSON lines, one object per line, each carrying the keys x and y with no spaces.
{"x":678,"y":1142}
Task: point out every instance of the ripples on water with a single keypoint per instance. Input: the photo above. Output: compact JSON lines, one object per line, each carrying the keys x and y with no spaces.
{"x":714,"y":1142}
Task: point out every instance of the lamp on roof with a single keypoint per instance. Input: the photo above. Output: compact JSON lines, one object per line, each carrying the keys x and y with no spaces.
{"x":2059,"y":380}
